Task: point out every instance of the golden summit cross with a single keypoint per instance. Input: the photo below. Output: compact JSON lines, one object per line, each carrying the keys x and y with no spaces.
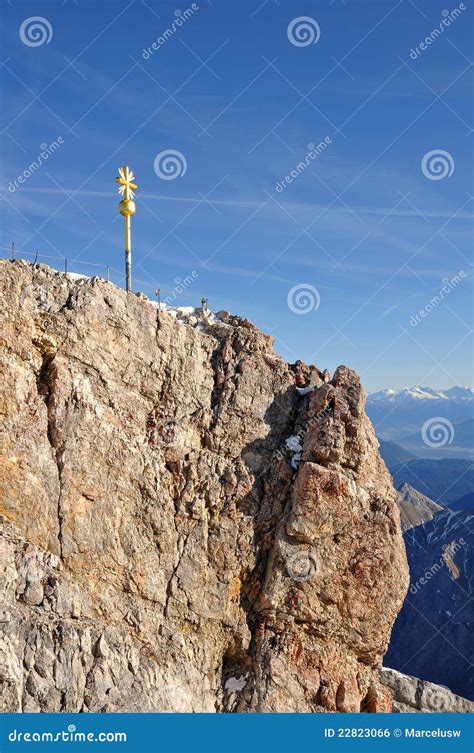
{"x":127,"y":208}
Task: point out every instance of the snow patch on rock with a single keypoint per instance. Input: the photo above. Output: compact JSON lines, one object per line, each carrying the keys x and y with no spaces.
{"x":304,"y":390}
{"x":293,"y":444}
{"x":235,"y":684}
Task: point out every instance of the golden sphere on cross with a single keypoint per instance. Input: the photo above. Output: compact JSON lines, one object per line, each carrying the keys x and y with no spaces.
{"x":127,"y":208}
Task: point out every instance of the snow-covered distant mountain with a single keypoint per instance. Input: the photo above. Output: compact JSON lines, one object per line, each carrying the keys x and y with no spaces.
{"x":428,"y":423}
{"x":460,"y":393}
{"x":421,"y":393}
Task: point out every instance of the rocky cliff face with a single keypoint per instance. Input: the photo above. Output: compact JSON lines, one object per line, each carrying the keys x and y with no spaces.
{"x":190,"y":523}
{"x":413,"y":695}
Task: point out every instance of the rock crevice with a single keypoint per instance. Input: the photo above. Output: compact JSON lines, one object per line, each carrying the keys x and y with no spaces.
{"x":190,"y":523}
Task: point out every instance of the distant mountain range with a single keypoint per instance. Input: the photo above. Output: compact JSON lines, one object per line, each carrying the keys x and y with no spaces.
{"x":415,"y":508}
{"x":447,"y":481}
{"x":426,"y":422}
{"x":394,"y":455}
{"x":432,"y":636}
{"x":422,"y":393}
{"x":433,"y":451}
{"x":426,"y":441}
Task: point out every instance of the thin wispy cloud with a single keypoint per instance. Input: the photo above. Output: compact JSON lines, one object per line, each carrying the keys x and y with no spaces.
{"x":253,"y":204}
{"x":362,"y":224}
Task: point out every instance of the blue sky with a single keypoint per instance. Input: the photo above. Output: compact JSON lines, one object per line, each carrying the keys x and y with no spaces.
{"x":362,"y":224}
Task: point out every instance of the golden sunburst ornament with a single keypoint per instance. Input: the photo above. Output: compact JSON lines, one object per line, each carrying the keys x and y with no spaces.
{"x":125,"y":180}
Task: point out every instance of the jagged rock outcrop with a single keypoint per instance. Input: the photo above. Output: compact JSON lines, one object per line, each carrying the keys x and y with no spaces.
{"x":190,"y":523}
{"x":415,"y":507}
{"x":413,"y":695}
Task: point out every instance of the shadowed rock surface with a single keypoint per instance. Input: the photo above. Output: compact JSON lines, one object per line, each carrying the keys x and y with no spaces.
{"x":184,"y":529}
{"x":432,"y":636}
{"x":412,"y":695}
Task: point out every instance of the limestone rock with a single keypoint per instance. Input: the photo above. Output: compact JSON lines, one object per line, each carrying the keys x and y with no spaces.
{"x":412,"y":695}
{"x":165,"y":548}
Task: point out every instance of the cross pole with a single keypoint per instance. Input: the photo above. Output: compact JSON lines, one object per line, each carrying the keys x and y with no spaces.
{"x":127,"y":208}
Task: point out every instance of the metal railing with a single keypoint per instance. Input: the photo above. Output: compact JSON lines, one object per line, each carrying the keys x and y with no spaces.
{"x":109,"y":273}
